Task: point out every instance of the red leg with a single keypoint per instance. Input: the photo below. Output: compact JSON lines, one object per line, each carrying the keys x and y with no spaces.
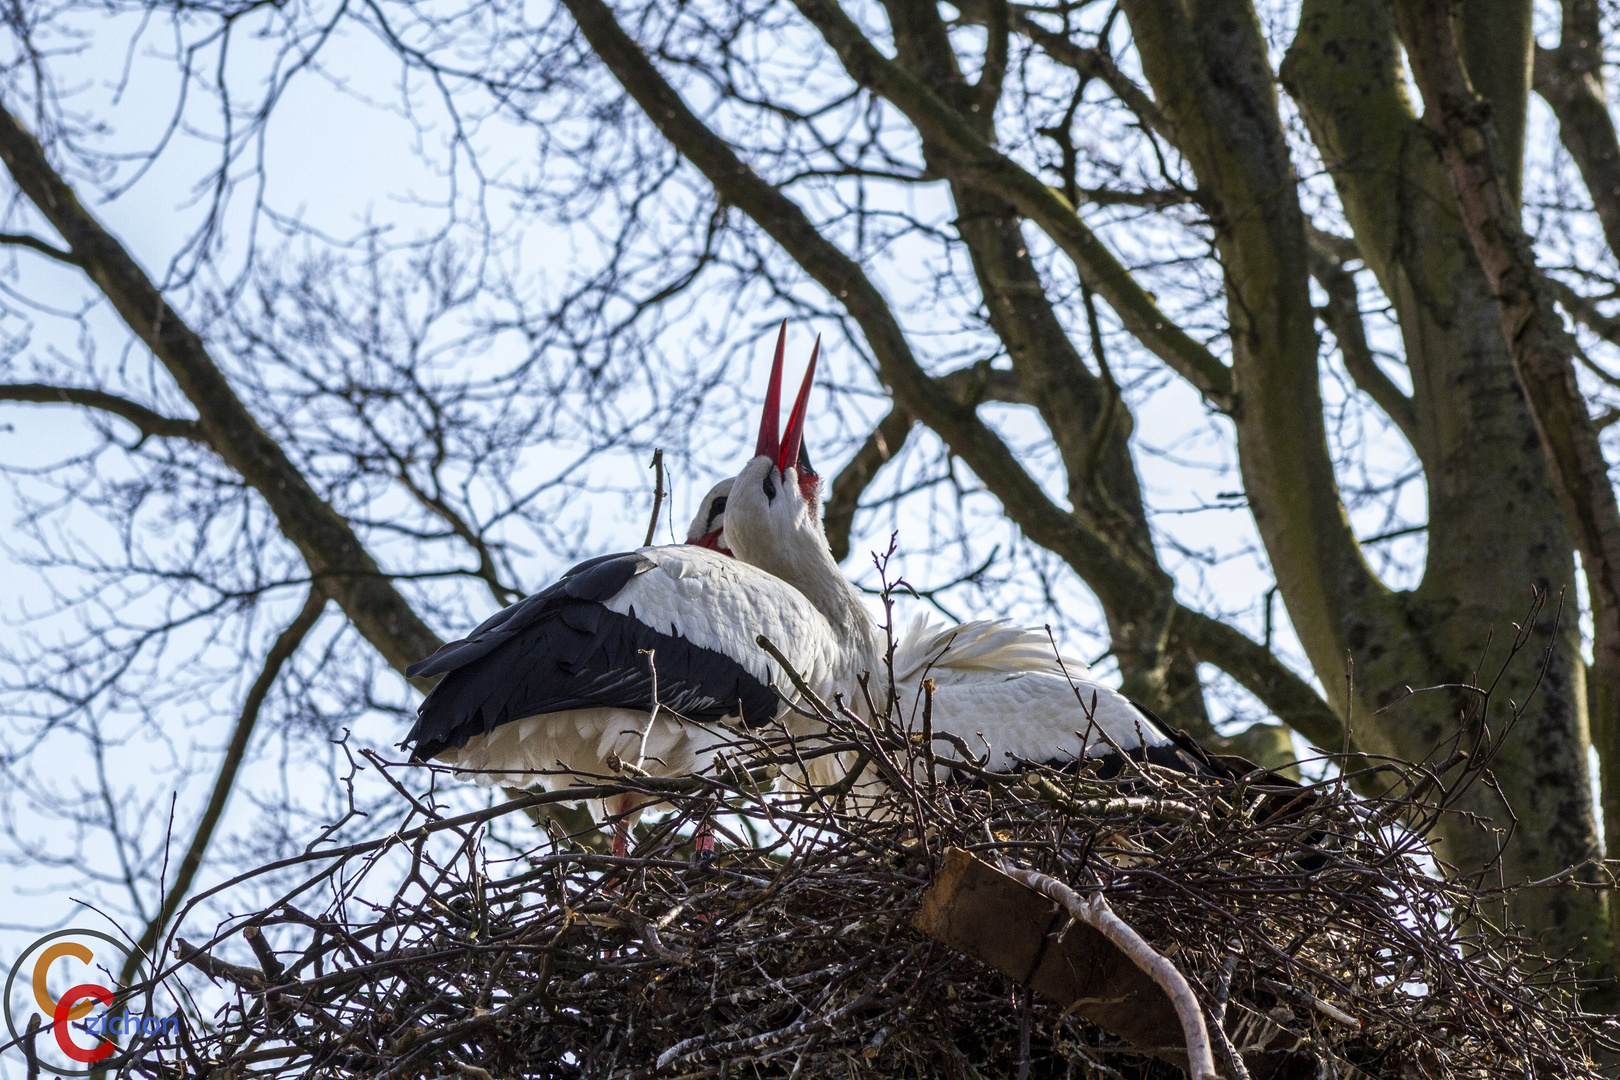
{"x":703,"y":840}
{"x":624,"y":807}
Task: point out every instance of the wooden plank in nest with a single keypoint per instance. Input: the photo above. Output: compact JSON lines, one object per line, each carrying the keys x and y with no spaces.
{"x":977,"y":910}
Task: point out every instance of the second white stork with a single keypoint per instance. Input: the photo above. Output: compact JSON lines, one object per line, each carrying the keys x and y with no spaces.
{"x":998,"y":687}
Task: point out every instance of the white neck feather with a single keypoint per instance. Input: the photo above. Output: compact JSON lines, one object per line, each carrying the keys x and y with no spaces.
{"x":769,"y":525}
{"x":803,"y":560}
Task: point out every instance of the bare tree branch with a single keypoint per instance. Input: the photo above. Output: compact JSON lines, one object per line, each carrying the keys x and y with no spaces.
{"x":230,"y":767}
{"x":974,"y":384}
{"x":1570,"y":79}
{"x":1289,"y":697}
{"x":982,"y":166}
{"x":968,"y":437}
{"x":148,"y":422}
{"x":336,"y":557}
{"x":1110,"y":569}
{"x":34,"y":243}
{"x":1343,"y":318}
{"x":1088,"y":63}
{"x":1084,"y":412}
{"x":1584,"y":311}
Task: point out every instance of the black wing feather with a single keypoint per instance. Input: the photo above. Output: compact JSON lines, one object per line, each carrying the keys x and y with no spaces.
{"x":561,"y":649}
{"x":597,"y":579}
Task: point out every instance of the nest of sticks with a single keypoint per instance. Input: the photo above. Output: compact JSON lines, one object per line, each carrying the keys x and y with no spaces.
{"x":1311,"y":921}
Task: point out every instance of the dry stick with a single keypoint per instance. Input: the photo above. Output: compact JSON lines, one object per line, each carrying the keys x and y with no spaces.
{"x":796,"y":679}
{"x":1152,"y":806}
{"x":1094,"y":912}
{"x":658,"y":495}
{"x":928,"y":732}
{"x":1233,"y":1058}
{"x":652,"y":716}
{"x":30,"y":1051}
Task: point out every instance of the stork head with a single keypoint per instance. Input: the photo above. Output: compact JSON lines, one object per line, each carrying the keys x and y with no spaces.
{"x":776,"y":500}
{"x":708,"y":528}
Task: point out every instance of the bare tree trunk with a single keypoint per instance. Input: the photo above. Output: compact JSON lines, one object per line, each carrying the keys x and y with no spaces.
{"x":1542,"y":352}
{"x":1207,"y":65}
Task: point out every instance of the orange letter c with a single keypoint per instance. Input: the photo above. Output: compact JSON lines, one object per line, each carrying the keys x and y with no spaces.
{"x":42,"y":966}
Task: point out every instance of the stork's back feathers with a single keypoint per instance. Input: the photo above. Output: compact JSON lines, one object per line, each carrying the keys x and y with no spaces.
{"x":564,"y":649}
{"x":549,"y":689}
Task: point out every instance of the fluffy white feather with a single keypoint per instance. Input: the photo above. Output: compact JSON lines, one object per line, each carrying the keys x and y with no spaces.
{"x":1001,"y":688}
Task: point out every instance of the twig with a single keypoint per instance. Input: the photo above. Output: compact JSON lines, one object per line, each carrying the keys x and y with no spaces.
{"x":286,"y":644}
{"x":652,"y":714}
{"x":29,"y":1050}
{"x":268,"y":962}
{"x":796,"y":679}
{"x":1304,"y":997}
{"x":658,"y":495}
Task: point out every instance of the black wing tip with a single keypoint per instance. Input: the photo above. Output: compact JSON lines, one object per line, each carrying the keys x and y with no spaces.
{"x":594,"y":580}
{"x":578,"y":654}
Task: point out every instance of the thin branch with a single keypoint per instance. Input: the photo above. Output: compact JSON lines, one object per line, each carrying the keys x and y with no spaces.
{"x":970,"y":159}
{"x":974,"y":384}
{"x":34,"y":243}
{"x":657,"y":467}
{"x":1258,"y":670}
{"x":1343,"y":317}
{"x":149,"y":423}
{"x":1570,"y":79}
{"x":1584,"y":311}
{"x":1092,"y":63}
{"x":1094,"y":911}
{"x":886,"y":440}
{"x":230,"y":767}
{"x":460,"y":526}
{"x":969,"y":437}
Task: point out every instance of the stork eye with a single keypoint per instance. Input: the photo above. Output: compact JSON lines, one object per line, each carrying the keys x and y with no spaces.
{"x":718,"y":508}
{"x":770,"y":488}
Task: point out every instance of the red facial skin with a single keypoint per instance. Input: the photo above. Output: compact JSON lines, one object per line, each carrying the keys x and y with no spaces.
{"x":810,"y":488}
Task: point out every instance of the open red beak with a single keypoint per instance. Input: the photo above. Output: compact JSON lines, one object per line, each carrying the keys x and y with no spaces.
{"x":793,"y":438}
{"x":770,"y":442}
{"x":787,"y":447}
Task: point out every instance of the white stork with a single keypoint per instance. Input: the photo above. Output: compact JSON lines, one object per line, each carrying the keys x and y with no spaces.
{"x":997,"y":686}
{"x":547,"y":691}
